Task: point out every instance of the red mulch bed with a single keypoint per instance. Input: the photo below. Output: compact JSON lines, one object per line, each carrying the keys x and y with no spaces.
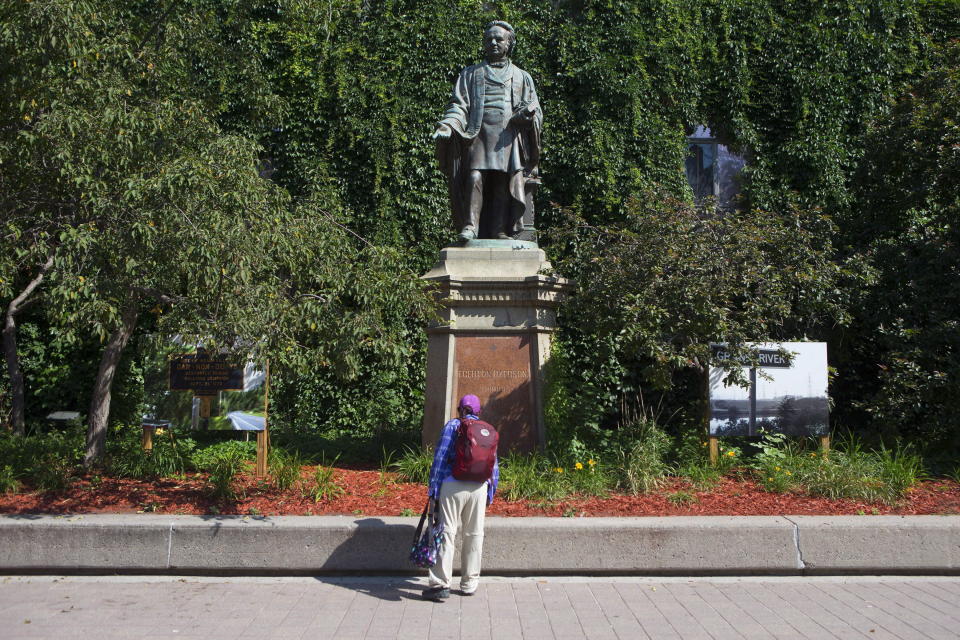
{"x":365,"y":494}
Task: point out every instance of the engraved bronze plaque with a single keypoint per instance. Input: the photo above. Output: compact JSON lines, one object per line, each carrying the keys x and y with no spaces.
{"x":497,"y":370}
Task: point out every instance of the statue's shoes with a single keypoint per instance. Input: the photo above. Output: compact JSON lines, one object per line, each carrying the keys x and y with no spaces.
{"x":502,"y":236}
{"x":468,"y":234}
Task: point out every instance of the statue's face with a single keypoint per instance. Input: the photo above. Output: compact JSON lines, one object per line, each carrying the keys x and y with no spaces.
{"x":496,"y":43}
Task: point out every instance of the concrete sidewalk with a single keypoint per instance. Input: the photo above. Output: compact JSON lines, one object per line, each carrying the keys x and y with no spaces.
{"x":138,"y":608}
{"x":329,"y":545}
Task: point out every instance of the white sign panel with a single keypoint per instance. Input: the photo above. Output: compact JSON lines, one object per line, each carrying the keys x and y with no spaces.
{"x":785,"y":395}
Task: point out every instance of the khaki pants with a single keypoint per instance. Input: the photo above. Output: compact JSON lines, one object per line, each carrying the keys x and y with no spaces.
{"x":462,"y":508}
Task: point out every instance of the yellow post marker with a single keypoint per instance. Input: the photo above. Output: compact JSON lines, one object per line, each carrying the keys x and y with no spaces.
{"x":714,"y":450}
{"x":263,"y":437}
{"x":147,"y":438}
{"x":825,"y":444}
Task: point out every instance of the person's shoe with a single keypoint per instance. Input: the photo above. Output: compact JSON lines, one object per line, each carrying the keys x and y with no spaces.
{"x":436,"y":594}
{"x":467,"y":592}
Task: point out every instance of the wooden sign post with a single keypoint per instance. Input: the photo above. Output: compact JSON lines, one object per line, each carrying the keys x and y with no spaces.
{"x":705,"y":397}
{"x":205,"y":402}
{"x":146,"y":440}
{"x":263,"y":437}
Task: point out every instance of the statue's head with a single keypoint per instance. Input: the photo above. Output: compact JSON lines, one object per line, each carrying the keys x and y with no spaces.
{"x":498,"y":40}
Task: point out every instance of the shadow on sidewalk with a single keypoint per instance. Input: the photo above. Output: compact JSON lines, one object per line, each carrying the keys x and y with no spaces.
{"x":390,"y":588}
{"x":375,"y":547}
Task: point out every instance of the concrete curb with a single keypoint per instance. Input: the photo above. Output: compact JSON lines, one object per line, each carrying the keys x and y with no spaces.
{"x":292,"y":545}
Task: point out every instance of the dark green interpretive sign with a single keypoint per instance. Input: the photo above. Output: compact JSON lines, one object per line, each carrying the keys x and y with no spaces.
{"x":200,"y":372}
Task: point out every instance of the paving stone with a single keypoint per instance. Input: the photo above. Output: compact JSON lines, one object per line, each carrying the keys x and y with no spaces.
{"x":553,"y":608}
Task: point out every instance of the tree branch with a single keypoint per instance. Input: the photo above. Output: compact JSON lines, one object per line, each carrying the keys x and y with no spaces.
{"x":158,"y":295}
{"x":16,"y":304}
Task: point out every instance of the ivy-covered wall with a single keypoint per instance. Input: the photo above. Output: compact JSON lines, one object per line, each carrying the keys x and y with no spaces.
{"x":794,"y":87}
{"x":343,"y":95}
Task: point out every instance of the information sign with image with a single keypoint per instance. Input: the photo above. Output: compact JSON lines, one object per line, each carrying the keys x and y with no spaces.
{"x":787,"y":392}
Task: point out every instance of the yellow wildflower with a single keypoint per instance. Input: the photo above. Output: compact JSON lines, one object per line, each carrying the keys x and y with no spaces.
{"x":591,"y":462}
{"x":579,"y":466}
{"x":559,"y":469}
{"x":776,"y":468}
{"x":731,"y":453}
{"x":789,"y":474}
{"x":769,"y":479}
{"x":159,"y":432}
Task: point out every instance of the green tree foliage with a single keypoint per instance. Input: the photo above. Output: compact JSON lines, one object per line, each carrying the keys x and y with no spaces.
{"x":941,"y":19}
{"x":366,"y":82}
{"x":901,"y":360}
{"x":155,"y":215}
{"x":148,"y":120}
{"x":657,"y":288}
{"x":794,"y":85}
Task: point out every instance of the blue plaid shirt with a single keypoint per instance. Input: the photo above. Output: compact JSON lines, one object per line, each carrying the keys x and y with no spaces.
{"x":442,"y":467}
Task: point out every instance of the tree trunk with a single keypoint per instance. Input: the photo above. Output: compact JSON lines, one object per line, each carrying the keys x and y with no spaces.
{"x":17,"y":396}
{"x":12,"y":356}
{"x":99,"y":416}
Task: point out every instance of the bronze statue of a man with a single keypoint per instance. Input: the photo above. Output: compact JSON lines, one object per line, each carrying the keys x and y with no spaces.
{"x":488,"y":142}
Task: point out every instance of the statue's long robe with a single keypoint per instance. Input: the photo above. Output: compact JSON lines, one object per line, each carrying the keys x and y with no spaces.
{"x":464,"y":115}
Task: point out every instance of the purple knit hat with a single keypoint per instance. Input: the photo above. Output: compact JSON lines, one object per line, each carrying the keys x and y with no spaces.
{"x":471,"y":403}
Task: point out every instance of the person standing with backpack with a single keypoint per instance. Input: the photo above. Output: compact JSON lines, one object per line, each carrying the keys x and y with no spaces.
{"x":463,"y":481}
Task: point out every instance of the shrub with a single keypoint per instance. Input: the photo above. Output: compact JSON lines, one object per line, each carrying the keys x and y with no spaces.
{"x":589,"y":478}
{"x":702,"y":476}
{"x":224,"y":466}
{"x":900,"y":468}
{"x":955,"y":474}
{"x":729,"y":458}
{"x":844,"y":475}
{"x":642,"y":465}
{"x":849,"y":471}
{"x":205,"y":457}
{"x":284,"y":468}
{"x":532,"y":476}
{"x":325,"y":487}
{"x":169,"y":456}
{"x":8,"y":480}
{"x":778,"y":463}
{"x":414,"y":464}
{"x":47,"y":462}
{"x":679,"y":498}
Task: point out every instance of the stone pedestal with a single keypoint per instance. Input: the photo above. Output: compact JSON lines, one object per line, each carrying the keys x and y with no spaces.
{"x":493,"y":338}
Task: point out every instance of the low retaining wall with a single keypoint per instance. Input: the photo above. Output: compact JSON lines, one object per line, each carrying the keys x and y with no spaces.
{"x":311,"y":545}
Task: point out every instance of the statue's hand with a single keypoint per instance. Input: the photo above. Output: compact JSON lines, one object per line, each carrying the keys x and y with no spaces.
{"x":525,"y":115}
{"x":443,"y":132}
